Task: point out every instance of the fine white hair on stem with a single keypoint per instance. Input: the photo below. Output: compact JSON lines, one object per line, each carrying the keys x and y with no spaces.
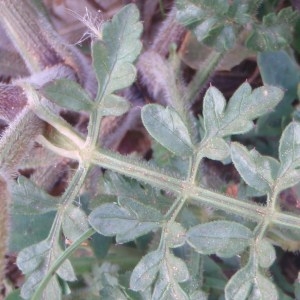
{"x":92,"y":22}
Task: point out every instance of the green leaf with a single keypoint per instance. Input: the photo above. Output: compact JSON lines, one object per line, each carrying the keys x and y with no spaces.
{"x":216,"y":149}
{"x":26,"y":230}
{"x":172,"y":271}
{"x":166,"y":289}
{"x":274,"y":33}
{"x":213,"y":110}
{"x":289,"y":155}
{"x":114,"y":55}
{"x":28,"y":198}
{"x":223,"y":238}
{"x":127,"y":221}
{"x":258,"y":171}
{"x":213,"y":271}
{"x":278,"y":68}
{"x":249,"y":284}
{"x":198,"y":295}
{"x":75,"y":222}
{"x":146,"y":271}
{"x":223,"y":38}
{"x":68,"y":94}
{"x":122,"y":187}
{"x":163,"y":158}
{"x":266,"y":253}
{"x":112,"y":293}
{"x":113,"y":105}
{"x":35,"y":261}
{"x":215,"y":23}
{"x":30,"y":258}
{"x":178,"y":267}
{"x":174,"y":235}
{"x":166,"y":126}
{"x":52,"y":291}
{"x":243,"y":107}
{"x":289,"y":147}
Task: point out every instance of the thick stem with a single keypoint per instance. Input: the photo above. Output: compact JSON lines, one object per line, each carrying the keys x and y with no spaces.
{"x":202,"y":196}
{"x":12,"y":101}
{"x":28,"y":34}
{"x":18,"y":139}
{"x":35,"y":39}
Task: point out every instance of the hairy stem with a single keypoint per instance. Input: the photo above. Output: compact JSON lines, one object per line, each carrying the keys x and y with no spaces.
{"x":35,"y":39}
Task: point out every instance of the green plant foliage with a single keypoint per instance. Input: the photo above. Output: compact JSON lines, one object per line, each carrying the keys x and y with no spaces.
{"x":218,"y":23}
{"x":75,"y":223}
{"x":68,"y":94}
{"x":127,"y":220}
{"x":146,"y":271}
{"x":266,"y":254}
{"x":171,"y":271}
{"x":120,"y":46}
{"x":39,"y":202}
{"x":161,"y":213}
{"x":34,"y":262}
{"x":247,"y":283}
{"x":275,"y":31}
{"x":221,"y":237}
{"x":279,"y":69}
{"x":166,"y":126}
{"x":26,"y":230}
{"x":251,"y":163}
{"x":244,"y":106}
{"x":213,"y":21}
{"x":289,"y":156}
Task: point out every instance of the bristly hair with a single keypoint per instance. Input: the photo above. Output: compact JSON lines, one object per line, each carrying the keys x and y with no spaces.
{"x":92,"y":22}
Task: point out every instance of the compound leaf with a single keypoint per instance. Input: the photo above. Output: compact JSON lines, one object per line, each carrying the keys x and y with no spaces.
{"x":223,"y":238}
{"x":166,"y":126}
